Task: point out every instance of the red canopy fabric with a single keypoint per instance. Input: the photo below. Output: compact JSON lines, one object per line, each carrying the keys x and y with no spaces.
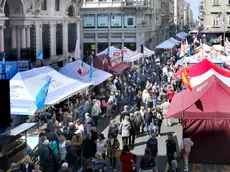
{"x":209,"y":100}
{"x":203,"y":67}
{"x":119,"y":68}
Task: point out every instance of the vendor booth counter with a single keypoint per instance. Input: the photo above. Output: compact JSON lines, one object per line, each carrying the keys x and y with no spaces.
{"x":14,"y":142}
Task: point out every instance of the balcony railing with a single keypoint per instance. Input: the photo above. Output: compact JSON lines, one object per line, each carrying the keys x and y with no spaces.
{"x":118,"y":3}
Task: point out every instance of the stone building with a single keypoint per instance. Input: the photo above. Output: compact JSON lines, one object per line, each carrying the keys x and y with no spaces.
{"x":27,"y":26}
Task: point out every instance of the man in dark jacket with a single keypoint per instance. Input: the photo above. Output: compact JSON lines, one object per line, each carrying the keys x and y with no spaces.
{"x":149,"y":119}
{"x":64,"y":168}
{"x":124,"y":113}
{"x":152,"y":144}
{"x":171,"y":148}
{"x":45,"y":155}
{"x":88,"y":123}
{"x":71,"y":157}
{"x":132,"y":130}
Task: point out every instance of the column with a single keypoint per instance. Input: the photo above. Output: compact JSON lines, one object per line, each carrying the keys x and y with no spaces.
{"x":18,"y":34}
{"x":28,"y":44}
{"x":65,"y":37}
{"x":23,"y":38}
{"x":78,"y":30}
{"x":13,"y":37}
{"x":53,"y":40}
{"x":1,"y":38}
{"x":38,"y":37}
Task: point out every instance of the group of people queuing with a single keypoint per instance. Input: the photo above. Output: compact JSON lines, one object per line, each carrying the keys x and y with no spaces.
{"x":69,"y":139}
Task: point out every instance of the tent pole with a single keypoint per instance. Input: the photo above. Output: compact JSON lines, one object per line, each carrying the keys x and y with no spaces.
{"x":183,"y":117}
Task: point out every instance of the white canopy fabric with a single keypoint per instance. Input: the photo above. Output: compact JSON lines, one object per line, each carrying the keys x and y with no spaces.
{"x":205,"y":47}
{"x":180,"y":36}
{"x":25,"y":86}
{"x":218,"y":47}
{"x":131,"y":56}
{"x":200,"y":56}
{"x":71,"y":70}
{"x":113,"y":52}
{"x":168,"y":44}
{"x":147,"y":52}
{"x":221,"y":58}
{"x":175,"y":41}
{"x":183,"y":34}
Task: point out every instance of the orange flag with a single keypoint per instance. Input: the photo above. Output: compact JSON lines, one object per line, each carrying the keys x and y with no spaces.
{"x":185,"y":77}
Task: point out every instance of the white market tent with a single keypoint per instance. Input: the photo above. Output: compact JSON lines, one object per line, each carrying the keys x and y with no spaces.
{"x":168,"y":44}
{"x":183,"y":34}
{"x":218,"y":47}
{"x":201,"y":55}
{"x":147,"y":52}
{"x":180,"y":36}
{"x":25,"y":86}
{"x":221,"y":57}
{"x":113,"y":52}
{"x":175,"y":41}
{"x":71,"y":70}
{"x":205,"y":47}
{"x":131,"y":56}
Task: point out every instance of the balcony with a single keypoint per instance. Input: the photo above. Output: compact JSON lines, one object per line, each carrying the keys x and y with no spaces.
{"x":138,"y":4}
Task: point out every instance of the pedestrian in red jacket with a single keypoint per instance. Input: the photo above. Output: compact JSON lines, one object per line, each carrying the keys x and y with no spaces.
{"x":128,"y":160}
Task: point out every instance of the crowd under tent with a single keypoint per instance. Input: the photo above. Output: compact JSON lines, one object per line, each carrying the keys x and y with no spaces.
{"x":73,"y":70}
{"x":24,"y":87}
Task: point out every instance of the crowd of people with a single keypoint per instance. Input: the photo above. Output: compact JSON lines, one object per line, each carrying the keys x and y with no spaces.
{"x":69,"y":139}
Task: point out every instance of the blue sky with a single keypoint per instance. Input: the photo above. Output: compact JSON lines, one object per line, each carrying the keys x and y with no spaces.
{"x":194,"y":5}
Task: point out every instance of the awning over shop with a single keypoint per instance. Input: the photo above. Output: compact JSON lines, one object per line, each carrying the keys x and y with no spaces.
{"x":168,"y":44}
{"x":25,"y":86}
{"x":73,"y":70}
{"x":119,"y":68}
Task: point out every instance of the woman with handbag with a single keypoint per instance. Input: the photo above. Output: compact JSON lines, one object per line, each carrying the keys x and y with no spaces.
{"x":127,"y":160}
{"x":147,"y":162}
{"x":113,"y":150}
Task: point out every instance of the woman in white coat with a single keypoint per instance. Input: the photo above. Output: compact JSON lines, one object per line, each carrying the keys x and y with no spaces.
{"x":125,"y":130}
{"x":185,"y":149}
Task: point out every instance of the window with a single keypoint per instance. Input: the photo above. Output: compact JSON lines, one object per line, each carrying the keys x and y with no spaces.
{"x":44,"y":5}
{"x":89,"y":21}
{"x":216,"y":2}
{"x":102,"y":20}
{"x":57,"y":5}
{"x":216,"y":20}
{"x":116,"y":20}
{"x":130,"y":20}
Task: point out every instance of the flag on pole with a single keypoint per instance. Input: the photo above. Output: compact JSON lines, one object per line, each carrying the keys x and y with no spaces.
{"x":78,"y":50}
{"x":91,"y":70}
{"x":42,"y":94}
{"x":80,"y":70}
{"x":185,"y":76}
{"x":4,"y":64}
{"x":40,"y":55}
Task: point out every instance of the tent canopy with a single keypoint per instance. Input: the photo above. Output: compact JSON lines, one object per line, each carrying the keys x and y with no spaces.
{"x":205,"y":47}
{"x":168,"y":44}
{"x":147,"y":52}
{"x":208,"y":100}
{"x":72,"y":70}
{"x":131,"y":56}
{"x":119,"y":68}
{"x":180,"y":36}
{"x":175,"y":41}
{"x":25,"y":86}
{"x":113,"y":52}
{"x":218,"y":47}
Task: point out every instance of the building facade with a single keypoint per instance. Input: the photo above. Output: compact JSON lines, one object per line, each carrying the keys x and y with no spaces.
{"x":188,"y":16}
{"x":215,"y":18}
{"x":116,"y":23}
{"x":27,"y":26}
{"x":179,"y":15}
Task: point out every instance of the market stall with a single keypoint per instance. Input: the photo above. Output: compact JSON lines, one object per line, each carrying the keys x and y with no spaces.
{"x":175,"y":41}
{"x":130,"y":56}
{"x":25,"y":86}
{"x":73,"y":70}
{"x":218,"y":47}
{"x":205,"y":112}
{"x":147,"y":52}
{"x":168,"y":44}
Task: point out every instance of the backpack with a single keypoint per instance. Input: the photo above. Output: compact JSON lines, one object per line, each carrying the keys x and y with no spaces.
{"x":103,"y":103}
{"x":114,"y":130}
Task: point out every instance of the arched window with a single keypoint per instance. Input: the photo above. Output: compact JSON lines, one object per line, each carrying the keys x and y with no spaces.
{"x":57,"y":5}
{"x":44,"y":5}
{"x":71,"y":11}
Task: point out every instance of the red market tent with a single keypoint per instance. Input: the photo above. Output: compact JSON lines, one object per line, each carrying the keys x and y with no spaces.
{"x":203,"y":67}
{"x":206,"y":120}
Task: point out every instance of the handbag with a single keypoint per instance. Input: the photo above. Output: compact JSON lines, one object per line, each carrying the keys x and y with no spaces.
{"x":118,"y":153}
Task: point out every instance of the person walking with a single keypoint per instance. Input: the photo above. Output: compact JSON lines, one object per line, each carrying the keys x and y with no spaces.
{"x":139,"y":121}
{"x":113,"y":128}
{"x":144,"y":118}
{"x":88,"y":123}
{"x":45,"y":154}
{"x":171,"y":149}
{"x":152,"y":144}
{"x":98,"y":163}
{"x":127,"y":160}
{"x":164,"y":107}
{"x":133,"y":130}
{"x":185,"y":149}
{"x":71,"y":156}
{"x":149,"y":120}
{"x":124,"y":113}
{"x":27,"y":165}
{"x":110,"y":109}
{"x":112,"y":148}
{"x":147,"y":162}
{"x":64,"y":168}
{"x":125,"y":130}
{"x":95,"y":112}
{"x":159,"y":120}
{"x":62,"y":148}
{"x":102,"y":145}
